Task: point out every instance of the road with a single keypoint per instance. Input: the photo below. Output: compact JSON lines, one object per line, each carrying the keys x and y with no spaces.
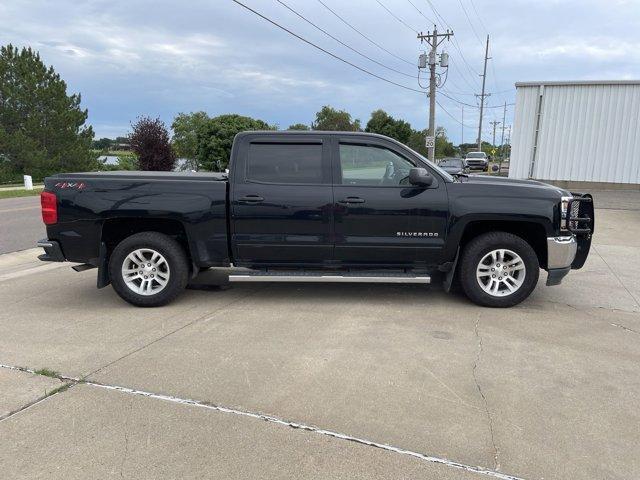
{"x":20,"y":223}
{"x":387,"y":381}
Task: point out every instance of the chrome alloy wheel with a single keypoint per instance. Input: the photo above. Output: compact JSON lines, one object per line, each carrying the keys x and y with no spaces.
{"x":145,"y":271}
{"x":501,"y":272}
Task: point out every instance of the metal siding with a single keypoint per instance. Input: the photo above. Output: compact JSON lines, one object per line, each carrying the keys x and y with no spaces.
{"x":588,"y":132}
{"x":523,"y":131}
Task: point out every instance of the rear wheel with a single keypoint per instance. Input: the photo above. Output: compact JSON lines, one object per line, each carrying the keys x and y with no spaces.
{"x":498,"y":269}
{"x":148,"y":269}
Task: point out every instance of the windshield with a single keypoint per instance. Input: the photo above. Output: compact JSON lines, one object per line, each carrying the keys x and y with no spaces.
{"x":476,"y":155}
{"x":452,"y":162}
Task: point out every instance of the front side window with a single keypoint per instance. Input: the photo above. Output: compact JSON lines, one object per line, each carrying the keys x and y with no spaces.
{"x":369,"y":165}
{"x":285,"y":163}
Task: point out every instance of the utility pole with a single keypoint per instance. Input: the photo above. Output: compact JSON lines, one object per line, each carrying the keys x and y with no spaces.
{"x":504,"y":120}
{"x":504,"y":125}
{"x":483,"y":95}
{"x":462,"y":124}
{"x":494,"y":123}
{"x":433,"y":39}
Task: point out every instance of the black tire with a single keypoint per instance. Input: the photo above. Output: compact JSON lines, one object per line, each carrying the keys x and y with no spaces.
{"x":172,"y":252}
{"x":482,"y":245}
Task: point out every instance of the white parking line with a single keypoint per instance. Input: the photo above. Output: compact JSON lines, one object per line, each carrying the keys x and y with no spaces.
{"x":19,"y":209}
{"x":278,"y":421}
{"x":30,"y":271}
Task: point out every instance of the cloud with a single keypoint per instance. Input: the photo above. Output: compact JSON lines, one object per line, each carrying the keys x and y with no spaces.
{"x":130,"y":58}
{"x":604,"y":50}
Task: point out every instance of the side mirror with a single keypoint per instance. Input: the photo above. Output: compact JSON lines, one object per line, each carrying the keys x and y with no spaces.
{"x":420,"y":177}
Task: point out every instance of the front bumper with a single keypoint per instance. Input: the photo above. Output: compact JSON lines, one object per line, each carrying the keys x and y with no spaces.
{"x":52,"y":251}
{"x":478,"y":166}
{"x":561,"y":251}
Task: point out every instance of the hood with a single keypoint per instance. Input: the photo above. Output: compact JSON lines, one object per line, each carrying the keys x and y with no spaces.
{"x":453,"y":170}
{"x":512,"y":182}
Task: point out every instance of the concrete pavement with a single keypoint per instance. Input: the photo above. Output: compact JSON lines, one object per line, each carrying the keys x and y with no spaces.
{"x":549,"y":389}
{"x":20,"y":223}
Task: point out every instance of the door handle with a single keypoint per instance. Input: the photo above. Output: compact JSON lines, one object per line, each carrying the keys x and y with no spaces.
{"x":352,"y":200}
{"x":251,"y":199}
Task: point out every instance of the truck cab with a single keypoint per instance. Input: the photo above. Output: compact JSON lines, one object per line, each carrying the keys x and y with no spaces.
{"x":315,"y":207}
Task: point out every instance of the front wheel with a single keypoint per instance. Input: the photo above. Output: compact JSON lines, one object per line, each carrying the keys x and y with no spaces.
{"x":498,"y":269}
{"x":148,"y":269}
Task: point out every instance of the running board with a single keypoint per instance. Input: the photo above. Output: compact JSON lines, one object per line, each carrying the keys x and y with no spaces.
{"x":346,"y":277}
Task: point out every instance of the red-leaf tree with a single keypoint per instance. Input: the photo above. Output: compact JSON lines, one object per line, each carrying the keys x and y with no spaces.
{"x":150,"y":141}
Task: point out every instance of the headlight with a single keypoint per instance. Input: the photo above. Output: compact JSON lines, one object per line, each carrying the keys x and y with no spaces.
{"x":564,"y":207}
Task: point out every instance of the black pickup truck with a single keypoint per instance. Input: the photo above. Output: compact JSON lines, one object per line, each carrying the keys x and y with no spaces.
{"x":316,"y":207}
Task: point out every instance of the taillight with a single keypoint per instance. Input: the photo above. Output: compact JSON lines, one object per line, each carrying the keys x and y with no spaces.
{"x":49,"y":203}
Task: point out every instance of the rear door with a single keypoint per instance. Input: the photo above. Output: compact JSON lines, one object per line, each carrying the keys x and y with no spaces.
{"x":281,"y":200}
{"x":381,"y":219}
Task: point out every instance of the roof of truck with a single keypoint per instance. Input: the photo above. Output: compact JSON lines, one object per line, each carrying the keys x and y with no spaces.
{"x":311,"y":132}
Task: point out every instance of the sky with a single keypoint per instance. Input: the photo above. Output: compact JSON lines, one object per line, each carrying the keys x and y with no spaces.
{"x":160,"y":58}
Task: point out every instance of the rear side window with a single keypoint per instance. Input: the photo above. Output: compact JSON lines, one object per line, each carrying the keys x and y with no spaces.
{"x":285,"y":163}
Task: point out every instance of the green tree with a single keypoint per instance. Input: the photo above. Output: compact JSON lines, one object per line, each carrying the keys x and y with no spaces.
{"x":185,"y":136}
{"x":487,"y":148}
{"x":102,"y":144}
{"x":444,"y":148}
{"x":150,"y":142}
{"x":417,"y":142}
{"x":216,"y":136}
{"x":384,"y":124}
{"x":298,"y":126}
{"x":328,"y":118}
{"x":42,"y":129}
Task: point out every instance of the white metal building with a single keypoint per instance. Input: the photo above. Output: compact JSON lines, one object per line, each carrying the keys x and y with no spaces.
{"x":577,"y":131}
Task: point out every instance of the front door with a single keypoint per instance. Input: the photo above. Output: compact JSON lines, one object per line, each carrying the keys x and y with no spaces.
{"x":281,"y":201}
{"x":380,"y":219}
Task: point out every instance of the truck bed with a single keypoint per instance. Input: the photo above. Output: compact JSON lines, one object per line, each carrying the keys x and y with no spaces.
{"x":137,"y":175}
{"x":95,"y":206}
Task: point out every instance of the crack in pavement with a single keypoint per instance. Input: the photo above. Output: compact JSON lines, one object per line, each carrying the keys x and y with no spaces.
{"x":278,"y":421}
{"x":205,"y":317}
{"x":626,"y":328}
{"x":633,"y":297}
{"x":62,"y":388}
{"x":496,"y":451}
{"x":126,"y":446}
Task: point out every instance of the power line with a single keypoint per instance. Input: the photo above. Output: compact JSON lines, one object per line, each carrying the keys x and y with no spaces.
{"x":397,"y":18}
{"x":451,"y":115}
{"x":457,"y":93}
{"x":433,"y":8}
{"x":479,"y":17}
{"x":444,"y":93}
{"x":469,"y":20}
{"x":343,"y":43}
{"x":420,"y":12}
{"x":326,"y":51}
{"x":333,"y":55}
{"x":456,"y":44}
{"x":363,"y":35}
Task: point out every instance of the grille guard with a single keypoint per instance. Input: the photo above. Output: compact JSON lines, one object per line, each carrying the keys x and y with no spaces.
{"x":581,"y":223}
{"x":580,"y":215}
